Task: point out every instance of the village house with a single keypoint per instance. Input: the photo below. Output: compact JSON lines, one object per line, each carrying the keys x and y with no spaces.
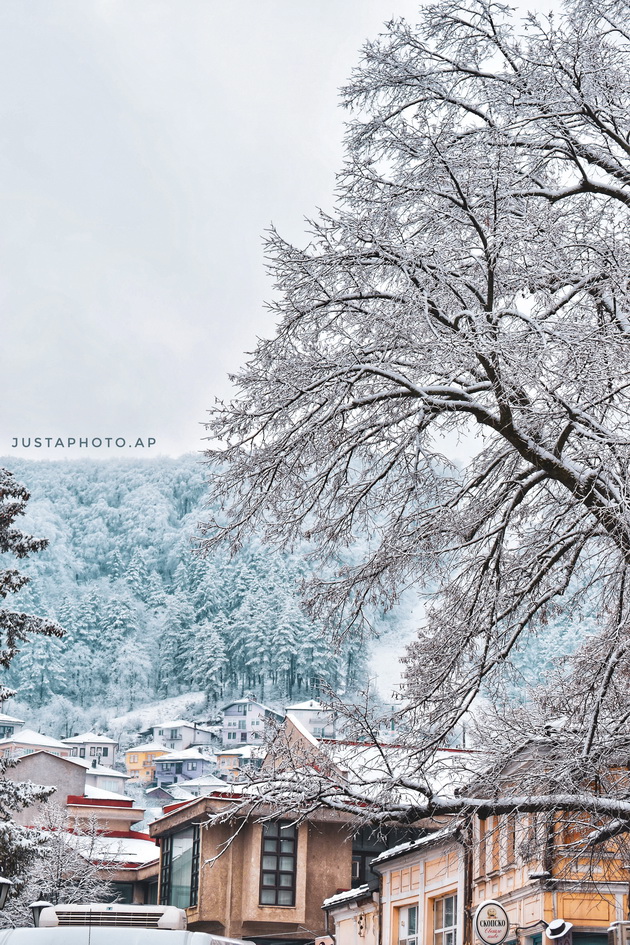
{"x":315,"y":719}
{"x":233,"y":764}
{"x":9,"y":725}
{"x":93,"y":746}
{"x":245,"y":721}
{"x":179,"y":766}
{"x":25,"y":742}
{"x":178,"y":734}
{"x":140,"y":761}
{"x":75,"y":790}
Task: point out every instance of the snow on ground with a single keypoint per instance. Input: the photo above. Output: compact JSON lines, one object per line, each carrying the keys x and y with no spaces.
{"x":186,"y":705}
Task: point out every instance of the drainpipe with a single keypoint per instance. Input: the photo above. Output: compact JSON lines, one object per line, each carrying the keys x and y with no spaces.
{"x":467,"y":843}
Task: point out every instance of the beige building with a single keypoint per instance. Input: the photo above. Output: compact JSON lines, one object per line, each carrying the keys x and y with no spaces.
{"x":268,"y":883}
{"x":419,"y":899}
{"x":25,"y":742}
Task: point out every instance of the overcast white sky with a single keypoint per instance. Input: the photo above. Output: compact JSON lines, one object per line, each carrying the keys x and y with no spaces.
{"x":146,"y":146}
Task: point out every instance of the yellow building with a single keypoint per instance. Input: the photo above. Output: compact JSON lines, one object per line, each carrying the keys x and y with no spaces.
{"x":140,"y":761}
{"x":429,"y":889}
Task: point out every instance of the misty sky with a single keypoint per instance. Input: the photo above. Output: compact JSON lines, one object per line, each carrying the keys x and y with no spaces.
{"x":146,"y":146}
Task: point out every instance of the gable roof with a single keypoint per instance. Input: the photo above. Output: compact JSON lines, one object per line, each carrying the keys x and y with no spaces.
{"x":447,"y":833}
{"x":148,"y":746}
{"x":27,"y":736}
{"x":90,"y":738}
{"x":309,"y":704}
{"x":186,"y":754}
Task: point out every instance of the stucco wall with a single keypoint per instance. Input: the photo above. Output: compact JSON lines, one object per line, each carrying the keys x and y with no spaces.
{"x":42,"y":768}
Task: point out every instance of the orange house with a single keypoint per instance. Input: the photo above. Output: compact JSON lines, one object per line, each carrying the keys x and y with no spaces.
{"x":140,"y":761}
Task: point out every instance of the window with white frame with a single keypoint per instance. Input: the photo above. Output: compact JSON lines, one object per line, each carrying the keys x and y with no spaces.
{"x":408,"y":925}
{"x":445,"y":920}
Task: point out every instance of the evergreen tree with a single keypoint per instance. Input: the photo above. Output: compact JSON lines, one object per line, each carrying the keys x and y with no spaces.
{"x":16,"y":843}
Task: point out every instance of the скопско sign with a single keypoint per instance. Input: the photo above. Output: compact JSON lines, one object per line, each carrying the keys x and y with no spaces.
{"x":491,"y":923}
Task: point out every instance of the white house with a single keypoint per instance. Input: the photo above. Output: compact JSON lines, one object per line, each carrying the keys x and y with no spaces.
{"x":315,"y":719}
{"x":179,"y":734}
{"x":244,"y":722}
{"x":91,"y":746}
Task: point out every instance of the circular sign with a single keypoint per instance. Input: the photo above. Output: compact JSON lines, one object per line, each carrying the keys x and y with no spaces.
{"x":491,"y":923}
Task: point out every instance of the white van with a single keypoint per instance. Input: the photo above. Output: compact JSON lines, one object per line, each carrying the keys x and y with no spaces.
{"x":101,"y":923}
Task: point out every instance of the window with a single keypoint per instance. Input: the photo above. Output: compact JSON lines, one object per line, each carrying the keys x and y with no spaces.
{"x":445,"y":921}
{"x":242,"y":723}
{"x":174,"y":733}
{"x":133,"y":759}
{"x":408,"y":925}
{"x":160,"y":731}
{"x":73,"y":752}
{"x":482,"y":847}
{"x":278,"y":860}
{"x":92,"y":751}
{"x":81,"y":752}
{"x":192,"y":765}
{"x":179,"y":877}
{"x":243,"y":736}
{"x":510,"y":842}
{"x":105,"y":751}
{"x":231,"y":735}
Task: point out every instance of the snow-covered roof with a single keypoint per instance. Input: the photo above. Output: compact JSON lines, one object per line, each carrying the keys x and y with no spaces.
{"x":412,"y":845}
{"x":179,"y":793}
{"x":175,"y":723}
{"x":102,"y":770}
{"x":101,"y":793}
{"x":206,"y":780}
{"x":8,"y":719}
{"x":130,"y":850}
{"x":310,"y":704}
{"x":247,"y":751}
{"x":148,"y":746}
{"x":304,"y":732}
{"x":27,"y":736}
{"x":361,"y":892}
{"x":252,"y":702}
{"x":90,"y":738}
{"x":186,"y":754}
{"x":43,"y":751}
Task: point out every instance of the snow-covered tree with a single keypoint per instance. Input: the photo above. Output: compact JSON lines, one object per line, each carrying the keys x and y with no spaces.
{"x":70,"y":865}
{"x":470,"y":293}
{"x":16,"y":844}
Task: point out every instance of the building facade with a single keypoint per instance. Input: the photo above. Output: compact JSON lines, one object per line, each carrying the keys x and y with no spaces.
{"x":245,"y":721}
{"x":179,"y":734}
{"x":140,"y":761}
{"x":268,"y":883}
{"x":180,"y":766}
{"x":93,"y":747}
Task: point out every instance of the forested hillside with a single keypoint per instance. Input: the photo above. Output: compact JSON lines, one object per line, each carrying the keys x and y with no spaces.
{"x":146,"y":618}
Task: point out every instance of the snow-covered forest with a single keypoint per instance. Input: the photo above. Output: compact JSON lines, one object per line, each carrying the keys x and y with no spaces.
{"x":146,"y":618}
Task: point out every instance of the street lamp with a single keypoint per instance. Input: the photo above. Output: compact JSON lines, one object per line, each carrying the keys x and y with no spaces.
{"x":36,"y":909}
{"x":5,"y":886}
